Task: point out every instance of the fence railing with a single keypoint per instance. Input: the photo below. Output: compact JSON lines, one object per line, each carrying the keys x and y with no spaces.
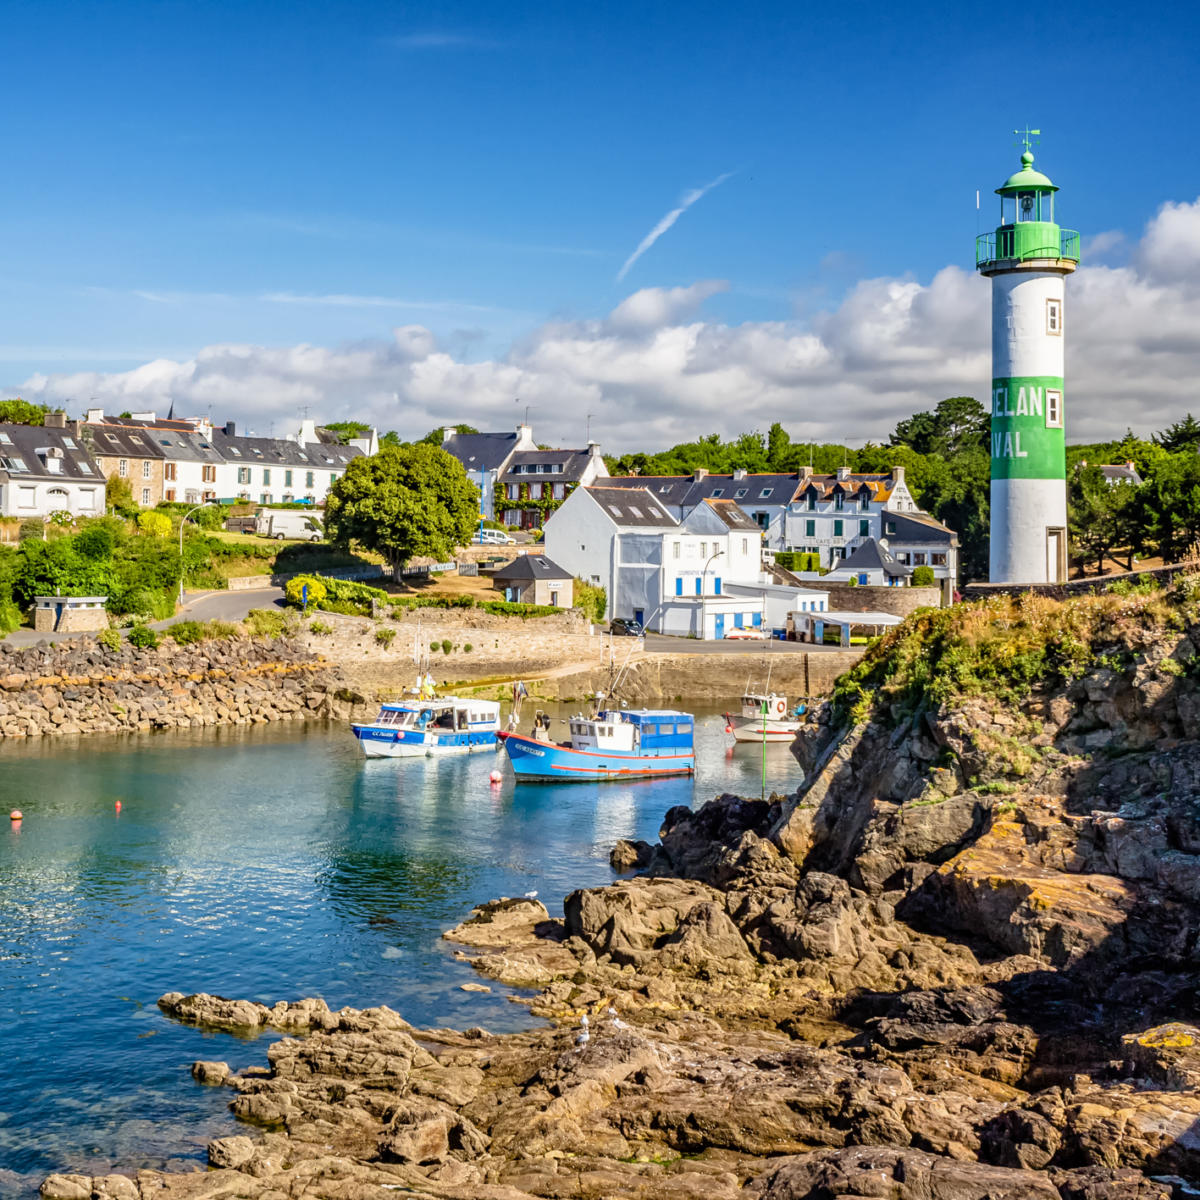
{"x":1003,"y":244}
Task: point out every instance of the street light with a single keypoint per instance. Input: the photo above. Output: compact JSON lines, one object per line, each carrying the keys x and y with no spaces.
{"x":182,"y":522}
{"x":703,"y":576}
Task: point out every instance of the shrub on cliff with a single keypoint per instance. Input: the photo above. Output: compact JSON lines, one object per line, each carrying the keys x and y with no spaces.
{"x":1001,"y":648}
{"x":592,"y":599}
{"x":110,"y":638}
{"x":271,"y":622}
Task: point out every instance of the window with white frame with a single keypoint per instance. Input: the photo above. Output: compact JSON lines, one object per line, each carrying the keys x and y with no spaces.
{"x":1054,"y":409}
{"x":145,"y":496}
{"x":674,"y":549}
{"x":1054,"y":317}
{"x":145,"y":468}
{"x":123,"y":467}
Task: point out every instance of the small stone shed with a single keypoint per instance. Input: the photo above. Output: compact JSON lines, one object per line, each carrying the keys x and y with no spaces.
{"x":69,"y":614}
{"x":535,"y":579}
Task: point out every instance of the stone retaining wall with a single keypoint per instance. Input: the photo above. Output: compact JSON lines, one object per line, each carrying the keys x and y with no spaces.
{"x":73,"y":687}
{"x":1079,"y":587}
{"x":899,"y":601}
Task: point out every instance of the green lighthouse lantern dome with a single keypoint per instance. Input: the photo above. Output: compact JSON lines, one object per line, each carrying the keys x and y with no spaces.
{"x":1027,"y":230}
{"x":1026,"y":195}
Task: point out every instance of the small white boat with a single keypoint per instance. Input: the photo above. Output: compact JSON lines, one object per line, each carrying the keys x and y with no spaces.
{"x":439,"y":725}
{"x":765,"y":718}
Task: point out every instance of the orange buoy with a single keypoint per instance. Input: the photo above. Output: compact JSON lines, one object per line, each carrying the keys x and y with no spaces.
{"x":495,"y":777}
{"x":118,"y":806}
{"x":15,"y":815}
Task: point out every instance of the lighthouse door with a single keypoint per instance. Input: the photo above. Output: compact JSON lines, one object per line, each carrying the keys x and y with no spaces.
{"x":1056,"y":555}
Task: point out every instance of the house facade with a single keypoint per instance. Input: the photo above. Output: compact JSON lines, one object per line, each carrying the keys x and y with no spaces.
{"x":295,"y":470}
{"x":666,"y":574}
{"x":131,"y":454}
{"x":871,"y":565}
{"x":535,"y":579}
{"x":535,"y":482}
{"x":47,"y":469}
{"x":484,"y":456}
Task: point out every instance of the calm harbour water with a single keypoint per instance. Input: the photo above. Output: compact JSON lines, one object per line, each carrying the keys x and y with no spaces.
{"x":269,"y":864}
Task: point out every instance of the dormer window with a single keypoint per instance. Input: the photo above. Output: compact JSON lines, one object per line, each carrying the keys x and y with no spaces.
{"x":718,"y":493}
{"x":812,"y":501}
{"x":740,"y":493}
{"x":5,"y":440}
{"x":765,"y":493}
{"x":235,"y":451}
{"x":839,"y":502}
{"x":70,"y":443}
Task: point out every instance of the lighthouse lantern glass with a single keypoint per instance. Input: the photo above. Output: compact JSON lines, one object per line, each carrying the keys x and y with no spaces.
{"x":1027,"y":202}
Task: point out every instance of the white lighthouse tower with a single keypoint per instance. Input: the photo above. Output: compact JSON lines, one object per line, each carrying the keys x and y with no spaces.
{"x":1028,"y":259}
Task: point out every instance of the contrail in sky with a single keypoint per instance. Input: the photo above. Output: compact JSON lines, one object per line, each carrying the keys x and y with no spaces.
{"x":688,"y":200}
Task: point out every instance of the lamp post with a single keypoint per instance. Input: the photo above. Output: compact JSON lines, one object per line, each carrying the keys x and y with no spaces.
{"x":703,"y":578}
{"x":182,"y":522}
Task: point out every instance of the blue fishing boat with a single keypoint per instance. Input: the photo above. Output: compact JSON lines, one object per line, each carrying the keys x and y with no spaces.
{"x":612,"y":744}
{"x":433,"y":726}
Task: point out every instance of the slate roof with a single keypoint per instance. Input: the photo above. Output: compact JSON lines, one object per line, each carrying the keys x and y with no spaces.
{"x":632,"y":510}
{"x":481,"y":451}
{"x":685,"y":491}
{"x":19,"y":446}
{"x":280,"y":452}
{"x":917,"y":527}
{"x":733,"y":516}
{"x":531,"y":566}
{"x":1120,"y":473}
{"x":120,"y":441}
{"x":879,"y":486}
{"x":872,"y":556}
{"x":574,"y":463}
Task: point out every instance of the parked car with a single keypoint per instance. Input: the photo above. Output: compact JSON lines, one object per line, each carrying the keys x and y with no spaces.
{"x":747,"y":633}
{"x":625,"y":627}
{"x":492,"y":537}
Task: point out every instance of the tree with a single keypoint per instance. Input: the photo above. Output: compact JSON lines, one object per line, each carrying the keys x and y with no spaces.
{"x":958,"y":423}
{"x":346,"y":430}
{"x":1167,"y":510}
{"x":402,"y":502}
{"x":435,"y":437}
{"x":1183,"y":435}
{"x":21,"y":412}
{"x":780,"y":452}
{"x":118,"y":495}
{"x":923,"y":577}
{"x":1101,"y":516}
{"x":155,"y":524}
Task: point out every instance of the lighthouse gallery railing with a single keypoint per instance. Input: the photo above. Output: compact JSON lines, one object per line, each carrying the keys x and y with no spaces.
{"x":1000,"y":245}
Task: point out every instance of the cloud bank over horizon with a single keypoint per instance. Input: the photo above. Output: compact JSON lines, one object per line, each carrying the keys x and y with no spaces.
{"x":653,"y":372}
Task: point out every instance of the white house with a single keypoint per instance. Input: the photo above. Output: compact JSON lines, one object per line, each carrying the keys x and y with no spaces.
{"x":870,"y":565}
{"x":484,"y":456}
{"x":45,"y":470}
{"x":296,"y":469}
{"x":668,"y":575}
{"x":779,"y":599}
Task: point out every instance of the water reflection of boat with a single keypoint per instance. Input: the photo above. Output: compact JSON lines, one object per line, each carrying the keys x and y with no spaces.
{"x":439,"y":725}
{"x":611,"y":744}
{"x":765,"y":718}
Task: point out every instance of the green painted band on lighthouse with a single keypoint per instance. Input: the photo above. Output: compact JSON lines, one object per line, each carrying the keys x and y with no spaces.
{"x":1027,"y":439}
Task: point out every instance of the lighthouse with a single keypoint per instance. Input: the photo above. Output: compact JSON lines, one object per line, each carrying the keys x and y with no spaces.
{"x":1028,"y":259}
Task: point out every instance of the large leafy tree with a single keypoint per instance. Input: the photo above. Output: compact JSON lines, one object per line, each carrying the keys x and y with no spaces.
{"x":1101,"y":516}
{"x":403,"y":502}
{"x":958,"y":424}
{"x":21,"y":412}
{"x":1182,"y":435}
{"x":1167,"y":511}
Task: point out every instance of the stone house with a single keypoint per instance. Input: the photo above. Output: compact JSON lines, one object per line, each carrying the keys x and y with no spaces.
{"x":121,"y":452}
{"x":484,"y":456}
{"x":535,"y":579}
{"x":535,"y":482}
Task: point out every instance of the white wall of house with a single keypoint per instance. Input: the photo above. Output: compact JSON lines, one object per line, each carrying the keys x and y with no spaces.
{"x":31,"y":497}
{"x":778,"y":600}
{"x":579,"y":536}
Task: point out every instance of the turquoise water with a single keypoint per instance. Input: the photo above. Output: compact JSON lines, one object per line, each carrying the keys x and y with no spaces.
{"x":269,"y":864}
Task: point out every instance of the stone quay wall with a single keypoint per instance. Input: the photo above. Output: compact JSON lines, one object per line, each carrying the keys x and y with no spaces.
{"x":70,"y":687}
{"x":898,"y":601}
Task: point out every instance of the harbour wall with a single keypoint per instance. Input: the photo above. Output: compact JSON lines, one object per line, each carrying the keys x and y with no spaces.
{"x":82,"y":687}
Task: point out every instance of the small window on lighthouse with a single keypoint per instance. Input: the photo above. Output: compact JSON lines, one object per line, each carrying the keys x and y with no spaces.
{"x":1054,"y":317}
{"x":1054,"y":409}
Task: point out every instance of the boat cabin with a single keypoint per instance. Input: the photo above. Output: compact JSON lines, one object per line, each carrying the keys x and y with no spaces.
{"x":756,"y":704}
{"x":642,"y":731}
{"x":440,"y":715}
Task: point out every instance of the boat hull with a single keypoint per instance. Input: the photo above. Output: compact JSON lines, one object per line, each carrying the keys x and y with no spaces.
{"x":776,"y":731}
{"x":381,"y":742}
{"x":546,"y":762}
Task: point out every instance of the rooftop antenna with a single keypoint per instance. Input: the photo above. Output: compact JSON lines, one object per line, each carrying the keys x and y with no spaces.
{"x":588,"y":428}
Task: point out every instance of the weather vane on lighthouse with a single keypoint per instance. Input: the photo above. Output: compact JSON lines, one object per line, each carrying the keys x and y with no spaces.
{"x":1027,"y":136}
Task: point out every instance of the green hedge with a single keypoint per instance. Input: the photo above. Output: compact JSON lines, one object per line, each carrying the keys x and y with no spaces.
{"x":501,"y":608}
{"x":798,"y":560}
{"x":336,"y":595}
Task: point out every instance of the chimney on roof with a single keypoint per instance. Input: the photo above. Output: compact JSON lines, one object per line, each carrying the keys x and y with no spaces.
{"x":739,"y":473}
{"x":525,"y":438}
{"x":594,"y":449}
{"x":94,"y":416}
{"x":308,"y":432}
{"x":448,"y":431}
{"x":144,"y":416}
{"x":1129,"y":464}
{"x":699,"y":473}
{"x":1083,"y":464}
{"x":805,"y":473}
{"x":231,"y":429}
{"x":55,"y":420}
{"x":843,"y":473}
{"x":898,"y":474}
{"x":52,"y":456}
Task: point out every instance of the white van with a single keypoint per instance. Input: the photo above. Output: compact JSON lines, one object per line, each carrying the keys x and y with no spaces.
{"x":492,"y":537}
{"x":288,"y":523}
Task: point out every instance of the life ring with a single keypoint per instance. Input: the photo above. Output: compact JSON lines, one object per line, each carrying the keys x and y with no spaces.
{"x":780,"y":705}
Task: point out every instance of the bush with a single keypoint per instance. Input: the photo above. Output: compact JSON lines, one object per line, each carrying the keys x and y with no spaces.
{"x":62,"y":518}
{"x":317,"y":591}
{"x":270,"y":622}
{"x":110,"y":639}
{"x":320,"y":628}
{"x":385,"y":637}
{"x":143,"y":637}
{"x":798,"y":560}
{"x":593,"y":599}
{"x":156,"y":524}
{"x":435,"y":646}
{"x":187,"y":632}
{"x":220,"y":629}
{"x":30,"y":529}
{"x":852,"y":581}
{"x":923,"y":577}
{"x":468,"y":648}
{"x":447,"y":645}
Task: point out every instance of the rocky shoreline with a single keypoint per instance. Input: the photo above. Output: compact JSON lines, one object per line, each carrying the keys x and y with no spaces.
{"x":958,"y":963}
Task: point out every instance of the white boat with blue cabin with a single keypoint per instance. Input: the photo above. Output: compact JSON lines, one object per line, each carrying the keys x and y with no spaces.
{"x":612,"y":744}
{"x":435,"y":726}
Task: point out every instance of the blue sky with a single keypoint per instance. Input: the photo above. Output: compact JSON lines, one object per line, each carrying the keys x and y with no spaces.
{"x":186,"y":175}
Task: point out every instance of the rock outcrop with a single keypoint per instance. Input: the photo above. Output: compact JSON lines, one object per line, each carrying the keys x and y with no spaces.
{"x":959,"y":962}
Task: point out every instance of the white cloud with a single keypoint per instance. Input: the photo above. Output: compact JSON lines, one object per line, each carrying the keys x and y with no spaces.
{"x":653,"y":371}
{"x":689,"y":198}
